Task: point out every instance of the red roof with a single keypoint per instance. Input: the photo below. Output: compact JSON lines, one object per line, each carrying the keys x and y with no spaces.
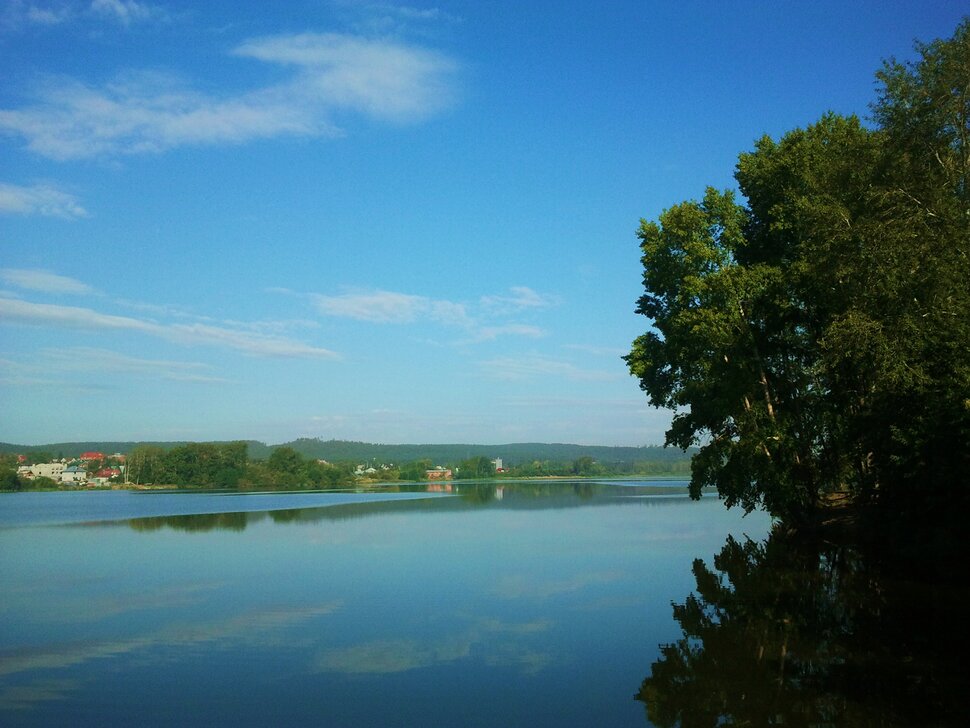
{"x":92,"y":456}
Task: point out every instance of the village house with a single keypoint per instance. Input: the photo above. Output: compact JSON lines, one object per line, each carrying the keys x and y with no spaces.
{"x":74,"y":475}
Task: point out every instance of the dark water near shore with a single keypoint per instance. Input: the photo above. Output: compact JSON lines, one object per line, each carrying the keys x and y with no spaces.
{"x":525,"y":604}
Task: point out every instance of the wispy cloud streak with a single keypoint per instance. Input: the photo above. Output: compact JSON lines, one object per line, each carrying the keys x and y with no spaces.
{"x":75,"y":317}
{"x":33,"y":279}
{"x":392,"y":307}
{"x":19,"y":13}
{"x":520,"y":298}
{"x":528,"y":367}
{"x":127,"y":12}
{"x":82,"y":358}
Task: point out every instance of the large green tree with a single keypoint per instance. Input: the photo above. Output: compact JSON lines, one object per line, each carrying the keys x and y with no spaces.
{"x":817,"y":337}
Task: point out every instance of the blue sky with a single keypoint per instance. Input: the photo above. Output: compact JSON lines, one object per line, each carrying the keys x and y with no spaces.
{"x":374,"y":221}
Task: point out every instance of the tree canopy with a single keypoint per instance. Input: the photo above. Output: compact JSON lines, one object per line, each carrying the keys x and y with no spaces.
{"x":815,"y":336}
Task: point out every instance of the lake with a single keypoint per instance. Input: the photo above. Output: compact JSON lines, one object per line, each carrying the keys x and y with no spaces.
{"x":470,"y":604}
{"x":512,"y":604}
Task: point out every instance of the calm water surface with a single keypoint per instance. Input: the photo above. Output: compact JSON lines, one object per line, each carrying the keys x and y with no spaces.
{"x":522,"y":604}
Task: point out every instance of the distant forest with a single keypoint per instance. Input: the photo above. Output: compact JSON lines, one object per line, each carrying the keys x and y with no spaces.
{"x":344,"y":451}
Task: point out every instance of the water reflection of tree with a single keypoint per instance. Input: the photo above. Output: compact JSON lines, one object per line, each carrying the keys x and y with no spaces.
{"x":192,"y":522}
{"x":789,"y":632}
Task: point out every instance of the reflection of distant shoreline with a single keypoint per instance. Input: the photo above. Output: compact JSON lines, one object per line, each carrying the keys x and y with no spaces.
{"x":441,"y":497}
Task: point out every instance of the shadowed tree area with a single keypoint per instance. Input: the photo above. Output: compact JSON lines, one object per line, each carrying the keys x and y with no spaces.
{"x":816,"y":338}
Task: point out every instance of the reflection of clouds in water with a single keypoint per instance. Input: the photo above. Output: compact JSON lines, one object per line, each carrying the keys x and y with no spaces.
{"x":389,"y":656}
{"x":497,"y":625}
{"x":523,"y":586}
{"x":246,"y":628}
{"x":165,"y":598}
{"x":44,"y":593}
{"x":528,"y":661}
{"x":617,"y":602}
{"x":402,"y":655}
{"x":23,"y":697}
{"x":51,"y":602}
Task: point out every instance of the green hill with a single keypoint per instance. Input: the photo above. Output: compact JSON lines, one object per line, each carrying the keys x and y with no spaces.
{"x":340,"y":451}
{"x":511,"y":454}
{"x":257,"y":450}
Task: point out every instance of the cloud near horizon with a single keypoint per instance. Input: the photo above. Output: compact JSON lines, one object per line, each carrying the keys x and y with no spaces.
{"x":141,"y":112}
{"x":86,"y":358}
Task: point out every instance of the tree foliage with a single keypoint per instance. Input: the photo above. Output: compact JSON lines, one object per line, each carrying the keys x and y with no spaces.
{"x":817,"y":337}
{"x":476,"y":467}
{"x":9,"y":480}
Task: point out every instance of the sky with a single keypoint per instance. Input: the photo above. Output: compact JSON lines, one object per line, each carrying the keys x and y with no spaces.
{"x":395,"y":223}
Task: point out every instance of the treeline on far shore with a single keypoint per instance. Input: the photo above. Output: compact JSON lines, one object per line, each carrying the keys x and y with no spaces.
{"x":228,"y":465}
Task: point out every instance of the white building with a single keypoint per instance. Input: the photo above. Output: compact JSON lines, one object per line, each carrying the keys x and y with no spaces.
{"x":42,"y":470}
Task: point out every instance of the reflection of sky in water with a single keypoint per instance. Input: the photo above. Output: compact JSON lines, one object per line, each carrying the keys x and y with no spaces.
{"x":18,"y":509}
{"x":447,"y":613}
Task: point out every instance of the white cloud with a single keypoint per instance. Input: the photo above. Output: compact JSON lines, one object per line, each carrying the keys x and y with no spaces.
{"x":520,"y":298}
{"x":527,"y":367}
{"x":126,"y":11}
{"x":39,"y":200}
{"x":381,"y":78}
{"x":490,"y":333}
{"x":390,"y":307}
{"x":410,"y":13}
{"x":17,"y":13}
{"x":378,"y":306}
{"x":41,"y":280}
{"x":608,"y":351}
{"x":384,"y":18}
{"x":49,"y":16}
{"x":247,"y":342}
{"x":141,"y":113}
{"x":147,"y":113}
{"x":72,"y":317}
{"x":636,"y":405}
{"x":403,"y":308}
